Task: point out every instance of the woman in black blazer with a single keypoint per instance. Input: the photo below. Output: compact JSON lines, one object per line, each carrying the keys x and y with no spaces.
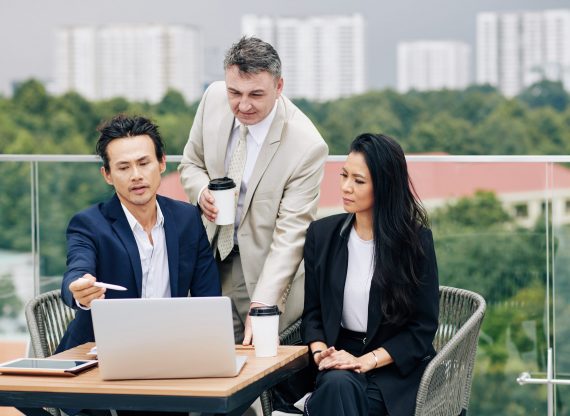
{"x":371,"y":289}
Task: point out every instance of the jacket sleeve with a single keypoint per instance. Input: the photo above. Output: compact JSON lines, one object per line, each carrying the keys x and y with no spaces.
{"x":205,"y":280}
{"x":312,"y":321}
{"x":81,"y":255}
{"x":410,"y":345}
{"x":297,"y":209}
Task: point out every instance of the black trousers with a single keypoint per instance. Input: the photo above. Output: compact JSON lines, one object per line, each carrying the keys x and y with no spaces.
{"x":344,"y":392}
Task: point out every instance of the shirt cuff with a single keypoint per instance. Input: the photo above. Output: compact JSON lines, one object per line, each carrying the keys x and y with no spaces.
{"x":256,"y":301}
{"x":80,"y":306}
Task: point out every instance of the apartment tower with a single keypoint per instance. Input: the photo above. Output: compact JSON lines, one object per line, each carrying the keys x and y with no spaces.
{"x":322,"y":56}
{"x":517,"y":49}
{"x":433,"y":65}
{"x":137,"y":62}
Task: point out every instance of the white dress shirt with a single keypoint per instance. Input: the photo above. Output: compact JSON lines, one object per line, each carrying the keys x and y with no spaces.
{"x":154,"y":257}
{"x":357,"y":286}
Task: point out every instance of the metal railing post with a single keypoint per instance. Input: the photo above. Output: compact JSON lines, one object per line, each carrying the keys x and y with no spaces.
{"x":35,"y":225}
{"x":550,"y":381}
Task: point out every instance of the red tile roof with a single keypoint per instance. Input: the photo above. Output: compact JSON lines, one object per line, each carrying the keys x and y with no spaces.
{"x":171,"y":187}
{"x":442,"y":180}
{"x":437,"y":180}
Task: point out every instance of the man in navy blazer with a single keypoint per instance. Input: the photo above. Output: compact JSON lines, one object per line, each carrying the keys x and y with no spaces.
{"x":152,"y":245}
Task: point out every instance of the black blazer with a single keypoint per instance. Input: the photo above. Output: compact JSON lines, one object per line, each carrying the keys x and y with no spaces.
{"x":410,"y":346}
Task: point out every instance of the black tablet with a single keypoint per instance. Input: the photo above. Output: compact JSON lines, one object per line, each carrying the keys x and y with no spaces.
{"x":46,"y":366}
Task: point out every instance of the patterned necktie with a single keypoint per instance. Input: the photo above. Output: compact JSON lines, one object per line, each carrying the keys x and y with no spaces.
{"x":235,"y":171}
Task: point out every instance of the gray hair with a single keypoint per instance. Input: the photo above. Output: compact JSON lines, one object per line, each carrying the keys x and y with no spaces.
{"x":252,"y":55}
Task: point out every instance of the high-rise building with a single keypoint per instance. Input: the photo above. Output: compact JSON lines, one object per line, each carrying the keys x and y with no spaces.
{"x":322,"y":56}
{"x":137,"y":62}
{"x":433,"y":65}
{"x":517,"y":49}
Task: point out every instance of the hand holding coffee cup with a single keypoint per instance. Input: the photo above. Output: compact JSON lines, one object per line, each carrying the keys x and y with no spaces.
{"x":224,"y":192}
{"x":207,"y":206}
{"x":265,"y":328}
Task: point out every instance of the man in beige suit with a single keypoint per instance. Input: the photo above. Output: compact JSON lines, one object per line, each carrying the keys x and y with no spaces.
{"x":245,"y":129}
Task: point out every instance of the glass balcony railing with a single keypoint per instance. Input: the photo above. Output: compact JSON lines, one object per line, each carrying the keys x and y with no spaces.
{"x":501,"y":227}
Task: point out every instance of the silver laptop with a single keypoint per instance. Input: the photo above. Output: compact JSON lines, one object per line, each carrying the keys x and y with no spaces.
{"x":165,"y":338}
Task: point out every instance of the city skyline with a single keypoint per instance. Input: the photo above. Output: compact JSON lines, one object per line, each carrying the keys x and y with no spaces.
{"x":322,"y":56}
{"x":27,"y":47}
{"x":517,"y":49}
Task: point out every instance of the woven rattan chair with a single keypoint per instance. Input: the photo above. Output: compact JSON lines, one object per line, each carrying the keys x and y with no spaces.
{"x":445,"y":387}
{"x":47,"y":318}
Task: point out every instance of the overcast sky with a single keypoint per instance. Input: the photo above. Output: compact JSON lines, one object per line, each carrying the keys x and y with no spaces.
{"x":27,"y":26}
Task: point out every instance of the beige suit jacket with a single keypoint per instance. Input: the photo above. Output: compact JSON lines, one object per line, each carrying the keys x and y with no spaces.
{"x":281,"y":199}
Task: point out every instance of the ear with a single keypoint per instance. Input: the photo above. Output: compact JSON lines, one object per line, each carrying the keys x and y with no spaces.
{"x":162,"y":164}
{"x":280,"y":84}
{"x":106,"y":175}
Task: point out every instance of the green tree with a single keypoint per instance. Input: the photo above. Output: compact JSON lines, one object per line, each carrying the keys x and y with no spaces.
{"x":174,"y":130}
{"x":505,"y":130}
{"x":548,"y":132}
{"x":80,"y":110}
{"x":172,"y":103}
{"x":481,"y":211}
{"x":443,"y":133}
{"x":31,"y":96}
{"x":546,"y":93}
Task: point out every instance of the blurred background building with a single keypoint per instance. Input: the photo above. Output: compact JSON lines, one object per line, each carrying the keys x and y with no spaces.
{"x":432,"y":65}
{"x":137,"y":62}
{"x":517,"y":49}
{"x":323,"y":56}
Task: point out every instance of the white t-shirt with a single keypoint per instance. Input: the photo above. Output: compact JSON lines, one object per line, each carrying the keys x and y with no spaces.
{"x":357,"y":286}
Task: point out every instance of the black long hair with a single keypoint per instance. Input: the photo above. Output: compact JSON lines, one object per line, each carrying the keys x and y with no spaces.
{"x":397,"y":219}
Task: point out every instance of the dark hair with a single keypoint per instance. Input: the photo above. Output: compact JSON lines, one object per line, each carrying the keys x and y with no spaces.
{"x":397,"y":218}
{"x":252,"y":55}
{"x":122,"y":126}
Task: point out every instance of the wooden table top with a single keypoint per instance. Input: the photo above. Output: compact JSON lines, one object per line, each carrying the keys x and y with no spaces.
{"x":90,"y":382}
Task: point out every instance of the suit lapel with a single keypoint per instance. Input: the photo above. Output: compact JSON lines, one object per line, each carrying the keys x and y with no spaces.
{"x":337,"y":272}
{"x":266,"y":153}
{"x":374,"y":314}
{"x":218,"y":168}
{"x":125,"y":234}
{"x":171,"y":236}
{"x":224,"y":133}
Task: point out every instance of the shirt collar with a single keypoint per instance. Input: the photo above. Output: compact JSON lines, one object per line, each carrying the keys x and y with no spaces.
{"x":259,"y":131}
{"x":133,"y":221}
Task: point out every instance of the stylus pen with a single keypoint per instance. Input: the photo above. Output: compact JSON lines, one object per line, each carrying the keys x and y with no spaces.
{"x":109,"y":286}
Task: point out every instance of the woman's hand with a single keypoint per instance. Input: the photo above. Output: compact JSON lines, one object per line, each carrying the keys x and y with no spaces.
{"x":367,"y":362}
{"x":331,"y":359}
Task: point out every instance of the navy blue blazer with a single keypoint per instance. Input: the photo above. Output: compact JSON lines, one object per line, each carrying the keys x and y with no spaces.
{"x":101,"y":242}
{"x":410,"y":345}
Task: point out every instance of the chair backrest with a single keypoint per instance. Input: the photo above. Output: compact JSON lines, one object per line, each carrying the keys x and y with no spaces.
{"x":446,"y":384}
{"x":47,"y":318}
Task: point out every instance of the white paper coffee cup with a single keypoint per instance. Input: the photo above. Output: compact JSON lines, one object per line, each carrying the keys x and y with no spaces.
{"x":265,"y":327}
{"x":224,"y":192}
